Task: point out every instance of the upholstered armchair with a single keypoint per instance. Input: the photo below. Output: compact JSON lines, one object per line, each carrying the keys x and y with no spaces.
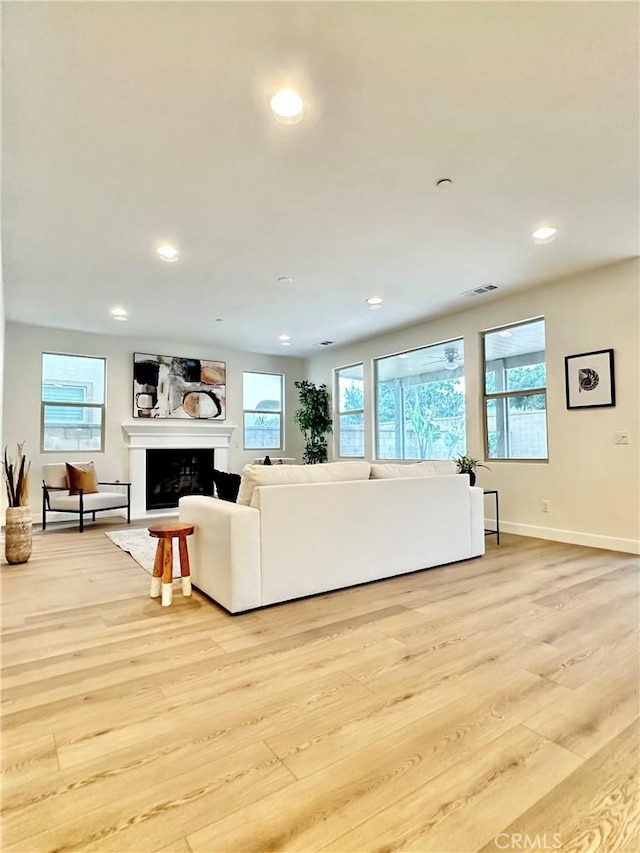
{"x":75,"y":489}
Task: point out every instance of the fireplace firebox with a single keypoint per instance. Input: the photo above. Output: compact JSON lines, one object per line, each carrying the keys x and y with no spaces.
{"x":171,"y":474}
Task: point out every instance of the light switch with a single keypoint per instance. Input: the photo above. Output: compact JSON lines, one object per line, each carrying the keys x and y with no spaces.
{"x":621,"y":437}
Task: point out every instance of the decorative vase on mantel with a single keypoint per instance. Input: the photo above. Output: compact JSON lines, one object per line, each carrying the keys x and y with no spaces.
{"x":18,"y":533}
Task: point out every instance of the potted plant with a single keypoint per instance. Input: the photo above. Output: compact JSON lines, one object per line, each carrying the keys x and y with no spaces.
{"x":314,"y":419}
{"x":18,"y":527}
{"x":468,"y":465}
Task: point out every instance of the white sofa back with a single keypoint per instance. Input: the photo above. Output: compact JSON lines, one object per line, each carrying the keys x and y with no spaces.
{"x":270,"y":475}
{"x":389,"y":470}
{"x":325,"y":536}
{"x":308,"y":538}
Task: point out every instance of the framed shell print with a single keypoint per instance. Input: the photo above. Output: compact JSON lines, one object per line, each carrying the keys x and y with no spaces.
{"x":589,"y":379}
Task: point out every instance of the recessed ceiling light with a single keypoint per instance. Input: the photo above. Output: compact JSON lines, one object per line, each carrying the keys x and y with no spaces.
{"x":374,"y":300}
{"x":121,"y":317}
{"x":168,"y":253}
{"x":218,"y":320}
{"x":118,"y":312}
{"x":505,"y":333}
{"x":444,"y":182}
{"x":285,"y":343}
{"x":545,"y":234}
{"x":287,"y":106}
{"x":284,"y":337}
{"x":285,"y":279}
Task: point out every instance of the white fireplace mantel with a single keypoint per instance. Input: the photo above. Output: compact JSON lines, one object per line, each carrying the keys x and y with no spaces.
{"x":175,"y":434}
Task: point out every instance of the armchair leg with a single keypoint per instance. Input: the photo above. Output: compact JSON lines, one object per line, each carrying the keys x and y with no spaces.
{"x":44,"y":516}
{"x":128,"y":503}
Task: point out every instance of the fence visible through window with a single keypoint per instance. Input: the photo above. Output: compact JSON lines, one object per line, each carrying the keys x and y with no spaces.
{"x":420,"y":403}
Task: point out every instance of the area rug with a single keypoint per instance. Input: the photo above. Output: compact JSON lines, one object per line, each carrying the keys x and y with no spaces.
{"x":142,"y":547}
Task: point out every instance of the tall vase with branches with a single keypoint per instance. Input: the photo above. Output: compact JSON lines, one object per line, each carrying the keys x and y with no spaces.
{"x":314,"y":419}
{"x":18,"y":527}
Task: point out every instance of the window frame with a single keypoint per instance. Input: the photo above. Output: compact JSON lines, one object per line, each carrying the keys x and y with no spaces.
{"x":402,"y":439}
{"x":501,"y":395}
{"x":337,"y":411}
{"x":279,"y":412}
{"x":70,"y":404}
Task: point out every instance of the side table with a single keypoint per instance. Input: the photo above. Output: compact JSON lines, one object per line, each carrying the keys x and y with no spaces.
{"x":163,"y":565}
{"x":495,"y":532}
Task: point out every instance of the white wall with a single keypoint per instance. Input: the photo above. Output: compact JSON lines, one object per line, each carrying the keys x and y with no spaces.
{"x":2,"y":337}
{"x":2,"y":319}
{"x":592,"y":485}
{"x":23,"y":366}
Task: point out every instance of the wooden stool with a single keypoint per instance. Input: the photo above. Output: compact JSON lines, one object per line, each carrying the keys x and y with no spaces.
{"x":163,"y":565}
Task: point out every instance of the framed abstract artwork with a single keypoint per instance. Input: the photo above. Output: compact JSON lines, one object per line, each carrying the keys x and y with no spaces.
{"x":590,"y":380}
{"x":167,"y":386}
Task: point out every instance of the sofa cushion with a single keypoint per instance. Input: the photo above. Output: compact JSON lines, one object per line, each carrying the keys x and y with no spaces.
{"x":227,"y":485}
{"x":283,"y":475}
{"x":418,"y":469}
{"x":54,"y":475}
{"x":82,"y":477}
{"x":95,"y":501}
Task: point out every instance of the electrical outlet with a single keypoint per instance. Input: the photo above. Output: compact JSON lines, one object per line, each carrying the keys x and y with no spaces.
{"x":621,"y":437}
{"x":545,"y":506}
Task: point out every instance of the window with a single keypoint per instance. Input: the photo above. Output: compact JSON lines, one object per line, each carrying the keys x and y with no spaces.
{"x":350,"y":410}
{"x":73,"y":402}
{"x":262,"y":404}
{"x":420,"y":403}
{"x":515,"y":392}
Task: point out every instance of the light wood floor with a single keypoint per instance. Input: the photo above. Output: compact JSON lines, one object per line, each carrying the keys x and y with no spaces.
{"x":475,"y":707}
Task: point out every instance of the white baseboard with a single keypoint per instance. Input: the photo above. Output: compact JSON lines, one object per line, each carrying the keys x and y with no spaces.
{"x":155,"y":513}
{"x":572,"y":537}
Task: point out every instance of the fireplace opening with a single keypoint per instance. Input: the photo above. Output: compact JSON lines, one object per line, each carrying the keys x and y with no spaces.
{"x":171,"y":474}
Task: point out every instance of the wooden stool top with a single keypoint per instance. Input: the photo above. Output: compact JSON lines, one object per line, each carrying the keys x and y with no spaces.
{"x":169,"y":529}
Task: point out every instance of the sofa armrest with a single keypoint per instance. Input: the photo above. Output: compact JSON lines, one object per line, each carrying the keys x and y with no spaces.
{"x":224,"y":551}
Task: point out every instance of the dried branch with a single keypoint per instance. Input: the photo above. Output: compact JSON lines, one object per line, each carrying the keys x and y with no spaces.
{"x":16,"y":477}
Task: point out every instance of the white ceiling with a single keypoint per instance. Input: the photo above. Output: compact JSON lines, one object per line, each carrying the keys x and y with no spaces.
{"x":129,"y":124}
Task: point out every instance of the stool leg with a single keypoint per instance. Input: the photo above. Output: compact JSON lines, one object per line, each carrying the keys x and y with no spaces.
{"x":167,"y":573}
{"x":185,"y":570}
{"x":156,"y":580}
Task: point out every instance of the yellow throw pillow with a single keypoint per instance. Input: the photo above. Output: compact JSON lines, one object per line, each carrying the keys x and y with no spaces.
{"x":82,"y":477}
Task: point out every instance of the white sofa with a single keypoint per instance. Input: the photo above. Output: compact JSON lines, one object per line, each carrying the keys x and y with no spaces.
{"x":299,"y":530}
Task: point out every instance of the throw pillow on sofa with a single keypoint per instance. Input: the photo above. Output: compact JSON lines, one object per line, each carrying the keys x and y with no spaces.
{"x":287,"y":475}
{"x":82,"y":477}
{"x":417,"y":469}
{"x":227,"y":485}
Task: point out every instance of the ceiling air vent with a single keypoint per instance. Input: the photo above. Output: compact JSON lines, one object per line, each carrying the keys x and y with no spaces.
{"x":325,"y":343}
{"x":478,"y":291}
